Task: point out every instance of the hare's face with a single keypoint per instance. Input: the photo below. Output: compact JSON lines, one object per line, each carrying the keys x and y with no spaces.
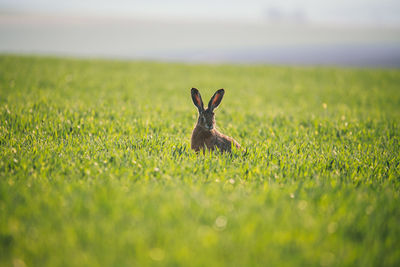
{"x":206,"y":116}
{"x":206,"y":119}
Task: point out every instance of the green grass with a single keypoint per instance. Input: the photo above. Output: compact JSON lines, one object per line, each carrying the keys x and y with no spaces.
{"x":96,"y":167}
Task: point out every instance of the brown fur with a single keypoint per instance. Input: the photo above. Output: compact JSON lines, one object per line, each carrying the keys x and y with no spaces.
{"x":210,"y":140}
{"x":204,"y":135}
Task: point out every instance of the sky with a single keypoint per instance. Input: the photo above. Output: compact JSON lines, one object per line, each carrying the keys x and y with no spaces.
{"x":342,"y":32}
{"x":358,"y":12}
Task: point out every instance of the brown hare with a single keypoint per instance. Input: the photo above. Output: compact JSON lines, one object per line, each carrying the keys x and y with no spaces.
{"x":204,"y":135}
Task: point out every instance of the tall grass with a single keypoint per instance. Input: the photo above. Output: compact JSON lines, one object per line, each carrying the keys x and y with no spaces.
{"x":96,"y":167}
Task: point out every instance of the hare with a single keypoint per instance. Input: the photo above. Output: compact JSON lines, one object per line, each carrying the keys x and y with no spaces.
{"x":204,"y":135}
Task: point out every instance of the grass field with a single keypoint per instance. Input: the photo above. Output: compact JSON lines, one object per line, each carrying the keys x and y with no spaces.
{"x":96,"y":167}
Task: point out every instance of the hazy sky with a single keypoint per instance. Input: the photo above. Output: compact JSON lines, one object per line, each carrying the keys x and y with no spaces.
{"x":328,"y":11}
{"x":174,"y":30}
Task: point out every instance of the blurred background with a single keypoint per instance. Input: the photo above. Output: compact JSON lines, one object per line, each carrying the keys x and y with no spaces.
{"x":331,"y":32}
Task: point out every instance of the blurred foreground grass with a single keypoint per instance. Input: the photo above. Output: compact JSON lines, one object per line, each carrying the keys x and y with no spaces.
{"x":96,"y":167}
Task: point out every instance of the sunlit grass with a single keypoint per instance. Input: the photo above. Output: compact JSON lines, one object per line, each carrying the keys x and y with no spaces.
{"x":96,"y":166}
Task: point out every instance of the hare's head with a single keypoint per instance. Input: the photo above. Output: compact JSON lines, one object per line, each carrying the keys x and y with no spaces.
{"x":206,"y":116}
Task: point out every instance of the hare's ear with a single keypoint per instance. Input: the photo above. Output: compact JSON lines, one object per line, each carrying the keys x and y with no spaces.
{"x":196,"y":97}
{"x":216,"y":99}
